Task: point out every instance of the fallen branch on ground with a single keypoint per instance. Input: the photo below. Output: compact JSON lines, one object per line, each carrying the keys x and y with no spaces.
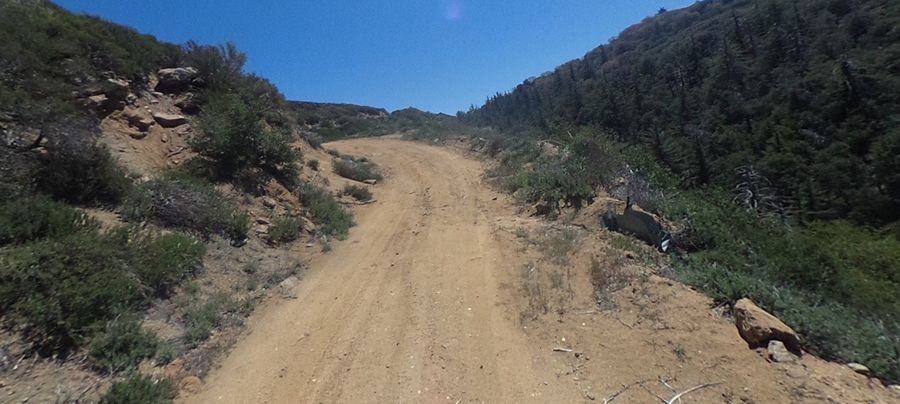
{"x":624,"y":388}
{"x":697,"y":387}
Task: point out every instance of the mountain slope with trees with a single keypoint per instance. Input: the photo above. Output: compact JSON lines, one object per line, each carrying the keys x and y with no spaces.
{"x":766,"y":130}
{"x":805,"y":94}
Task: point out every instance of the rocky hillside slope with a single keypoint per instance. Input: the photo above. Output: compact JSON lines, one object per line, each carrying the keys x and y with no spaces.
{"x":152,"y":195}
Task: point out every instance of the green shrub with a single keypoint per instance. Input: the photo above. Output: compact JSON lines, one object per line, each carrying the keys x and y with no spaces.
{"x":325,"y":210}
{"x":139,"y":389}
{"x":202,"y":317}
{"x":39,"y":217}
{"x":122,"y":345}
{"x":162,"y":262}
{"x":83,"y":175}
{"x":832,"y":282}
{"x":359,"y":193}
{"x":358,"y":170}
{"x":285,"y":229}
{"x":313,"y":164}
{"x":552,"y":185}
{"x":59,"y":289}
{"x":188,"y":204}
{"x":233,"y":136}
{"x":166,"y":352}
{"x":62,"y":291}
{"x":313,"y":139}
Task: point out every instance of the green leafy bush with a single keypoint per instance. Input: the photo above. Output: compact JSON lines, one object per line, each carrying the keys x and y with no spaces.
{"x":313,"y":164}
{"x":833,"y":282}
{"x":122,"y":345}
{"x":202,"y":317}
{"x":162,"y":262}
{"x":356,"y":169}
{"x":61,"y":291}
{"x":166,"y":352}
{"x":139,"y":389}
{"x":285,"y":229}
{"x":234,"y":137}
{"x":186,"y":203}
{"x":552,"y":185}
{"x":325,"y":210}
{"x":359,"y":193}
{"x":39,"y":217}
{"x":83,"y":175}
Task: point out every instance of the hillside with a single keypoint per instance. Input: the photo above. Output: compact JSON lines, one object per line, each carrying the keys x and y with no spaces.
{"x":804,"y":95}
{"x":764,"y":131}
{"x":151,"y":195}
{"x":337,"y":121}
{"x":173,"y":228}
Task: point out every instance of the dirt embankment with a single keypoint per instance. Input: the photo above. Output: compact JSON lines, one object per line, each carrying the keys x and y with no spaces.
{"x":443,"y":293}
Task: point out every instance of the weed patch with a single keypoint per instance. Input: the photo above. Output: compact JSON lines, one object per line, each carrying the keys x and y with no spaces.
{"x":359,"y":193}
{"x":122,"y":345}
{"x":38,"y":218}
{"x":285,"y":229}
{"x":325,"y":210}
{"x":61,"y":292}
{"x":140,"y":390}
{"x":356,"y":169}
{"x":187,"y":204}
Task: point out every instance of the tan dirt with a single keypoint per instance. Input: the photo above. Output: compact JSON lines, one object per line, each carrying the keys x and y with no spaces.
{"x":426,"y":302}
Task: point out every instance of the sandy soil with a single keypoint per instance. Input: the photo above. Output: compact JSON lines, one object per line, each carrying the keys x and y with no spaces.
{"x":441,"y":295}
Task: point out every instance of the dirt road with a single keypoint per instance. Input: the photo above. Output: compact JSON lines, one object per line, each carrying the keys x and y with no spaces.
{"x":405,"y":310}
{"x":443,"y":294}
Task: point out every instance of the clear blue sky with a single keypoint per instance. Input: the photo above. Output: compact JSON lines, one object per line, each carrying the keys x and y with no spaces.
{"x":436,"y":55}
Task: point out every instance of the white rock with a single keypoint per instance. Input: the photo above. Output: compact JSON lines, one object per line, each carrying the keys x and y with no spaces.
{"x":169,"y":120}
{"x":777,"y":352}
{"x":859,"y":368}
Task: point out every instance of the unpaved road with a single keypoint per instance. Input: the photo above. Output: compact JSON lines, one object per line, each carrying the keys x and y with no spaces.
{"x":424,"y":303}
{"x":405,"y":310}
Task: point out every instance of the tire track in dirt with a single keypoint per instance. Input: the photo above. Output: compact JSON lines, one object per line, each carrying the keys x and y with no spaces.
{"x":406,"y":310}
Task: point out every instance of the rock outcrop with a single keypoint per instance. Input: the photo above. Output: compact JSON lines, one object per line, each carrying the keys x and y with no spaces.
{"x":777,"y":352}
{"x":188,"y":104}
{"x":138,"y":118}
{"x":175,"y":79}
{"x":758,"y":327}
{"x":169,"y":120}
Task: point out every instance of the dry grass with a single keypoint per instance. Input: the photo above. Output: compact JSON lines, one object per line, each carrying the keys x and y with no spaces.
{"x":608,"y":276}
{"x":538,"y":303}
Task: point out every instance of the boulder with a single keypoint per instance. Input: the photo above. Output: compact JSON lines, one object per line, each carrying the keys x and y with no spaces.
{"x":175,"y":79}
{"x":777,"y":352}
{"x":95,"y":102}
{"x":371,"y":181}
{"x":758,"y":327}
{"x":269,"y":202}
{"x":287,"y":286}
{"x":169,"y":120}
{"x":138,"y":118}
{"x":859,"y":368}
{"x":116,"y":90}
{"x":187,"y":103}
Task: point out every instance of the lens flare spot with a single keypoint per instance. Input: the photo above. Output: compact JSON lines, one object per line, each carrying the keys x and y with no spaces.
{"x":453,"y":10}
